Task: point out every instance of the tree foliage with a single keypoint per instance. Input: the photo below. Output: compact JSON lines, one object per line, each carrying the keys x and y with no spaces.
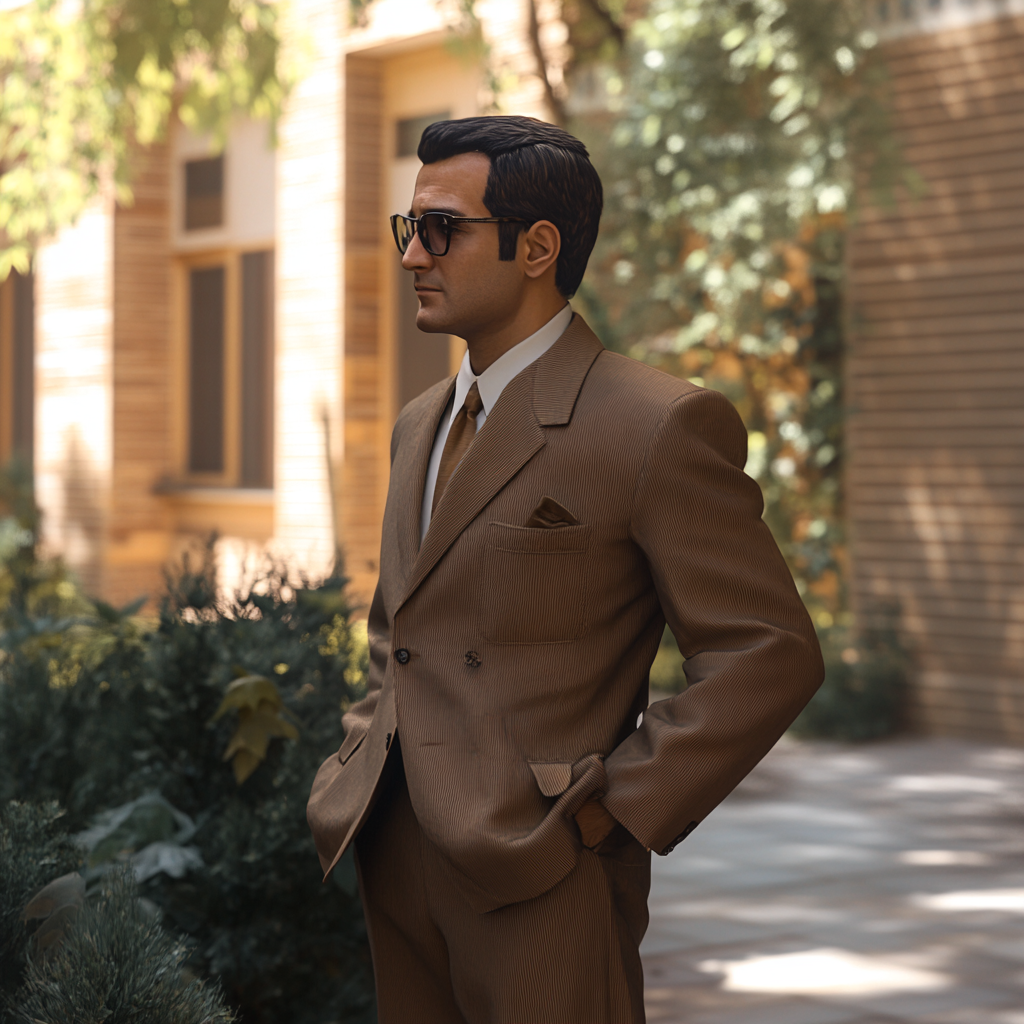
{"x":729,"y":134}
{"x":79,"y":83}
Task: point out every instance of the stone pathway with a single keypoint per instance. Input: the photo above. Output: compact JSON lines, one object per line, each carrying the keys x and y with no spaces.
{"x":848,"y":885}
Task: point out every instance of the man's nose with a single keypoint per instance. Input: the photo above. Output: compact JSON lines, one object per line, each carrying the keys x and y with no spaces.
{"x":416,"y":256}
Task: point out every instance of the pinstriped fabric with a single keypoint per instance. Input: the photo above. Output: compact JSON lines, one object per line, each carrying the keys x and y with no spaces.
{"x":526,"y":646}
{"x":569,"y":956}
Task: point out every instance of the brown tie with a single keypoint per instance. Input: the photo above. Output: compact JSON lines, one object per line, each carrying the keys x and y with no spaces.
{"x":460,"y":437}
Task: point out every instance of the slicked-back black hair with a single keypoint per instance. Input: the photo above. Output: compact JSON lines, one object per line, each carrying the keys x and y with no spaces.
{"x":538,"y":172}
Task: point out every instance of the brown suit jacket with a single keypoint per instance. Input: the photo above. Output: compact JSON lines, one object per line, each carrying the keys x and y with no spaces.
{"x":513,"y":660}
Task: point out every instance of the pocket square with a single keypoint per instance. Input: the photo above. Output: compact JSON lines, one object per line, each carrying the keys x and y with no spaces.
{"x":549,"y":514}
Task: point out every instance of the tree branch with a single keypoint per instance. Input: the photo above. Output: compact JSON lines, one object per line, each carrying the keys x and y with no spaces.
{"x":608,"y":20}
{"x":555,"y":104}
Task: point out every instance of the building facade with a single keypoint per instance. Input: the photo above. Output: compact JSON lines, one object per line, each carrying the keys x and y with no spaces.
{"x":229,"y":353}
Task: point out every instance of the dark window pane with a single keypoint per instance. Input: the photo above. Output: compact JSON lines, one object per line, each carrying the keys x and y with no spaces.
{"x":23,"y":365}
{"x":257,"y":369}
{"x":204,"y":193}
{"x":206,"y":371}
{"x":410,"y":130}
{"x":422,"y":358}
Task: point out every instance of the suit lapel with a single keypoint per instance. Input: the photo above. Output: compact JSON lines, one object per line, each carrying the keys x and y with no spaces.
{"x":507,"y":441}
{"x":410,"y":469}
{"x":544,"y":394}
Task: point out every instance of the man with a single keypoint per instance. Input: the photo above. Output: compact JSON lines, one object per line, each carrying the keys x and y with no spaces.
{"x":550,"y":508}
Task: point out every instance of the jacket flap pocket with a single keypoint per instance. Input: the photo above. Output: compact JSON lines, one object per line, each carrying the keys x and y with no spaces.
{"x":350,"y":745}
{"x":538,"y":540}
{"x":553,"y":777}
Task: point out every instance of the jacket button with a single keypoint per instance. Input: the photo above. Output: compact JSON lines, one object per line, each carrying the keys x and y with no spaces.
{"x":402,"y":656}
{"x":472,"y":659}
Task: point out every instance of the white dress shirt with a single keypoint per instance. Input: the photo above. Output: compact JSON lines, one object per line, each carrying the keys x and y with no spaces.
{"x":490,"y":384}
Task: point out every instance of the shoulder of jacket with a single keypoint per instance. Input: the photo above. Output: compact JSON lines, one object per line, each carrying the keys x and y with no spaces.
{"x":653,"y":405}
{"x":645,"y":387}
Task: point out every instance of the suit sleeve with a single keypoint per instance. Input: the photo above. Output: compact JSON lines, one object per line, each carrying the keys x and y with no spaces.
{"x":752,"y":657}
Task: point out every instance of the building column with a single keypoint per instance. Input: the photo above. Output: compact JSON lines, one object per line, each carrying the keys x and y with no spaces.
{"x":310,"y":294}
{"x":74,"y":389}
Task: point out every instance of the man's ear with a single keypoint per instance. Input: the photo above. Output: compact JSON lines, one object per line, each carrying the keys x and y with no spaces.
{"x":539,"y":248}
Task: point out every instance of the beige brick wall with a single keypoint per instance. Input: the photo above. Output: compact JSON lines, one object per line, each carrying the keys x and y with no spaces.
{"x":936,"y":383}
{"x":74,"y":390}
{"x":140,"y":522}
{"x":365,"y":471}
{"x":310,"y":297}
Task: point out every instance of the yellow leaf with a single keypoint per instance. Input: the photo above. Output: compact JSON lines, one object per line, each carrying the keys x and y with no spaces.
{"x":248,"y":692}
{"x":259,"y":707}
{"x":244,"y":764}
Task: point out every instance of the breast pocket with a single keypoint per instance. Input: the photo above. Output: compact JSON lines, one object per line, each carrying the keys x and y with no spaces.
{"x":537,"y":583}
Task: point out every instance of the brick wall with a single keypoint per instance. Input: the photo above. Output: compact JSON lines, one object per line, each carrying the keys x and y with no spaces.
{"x":936,"y":383}
{"x":142,"y":382}
{"x":74,"y":378}
{"x":310,"y":296}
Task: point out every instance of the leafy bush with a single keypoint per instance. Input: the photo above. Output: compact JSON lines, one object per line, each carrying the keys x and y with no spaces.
{"x":115,"y":965}
{"x":100,"y":707}
{"x":864,"y":693}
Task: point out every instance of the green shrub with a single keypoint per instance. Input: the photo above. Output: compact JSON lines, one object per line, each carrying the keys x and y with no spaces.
{"x":102,"y":708}
{"x":115,"y":965}
{"x":864,"y":693}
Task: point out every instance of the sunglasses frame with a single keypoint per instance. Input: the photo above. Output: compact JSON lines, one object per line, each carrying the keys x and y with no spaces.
{"x":449,"y":221}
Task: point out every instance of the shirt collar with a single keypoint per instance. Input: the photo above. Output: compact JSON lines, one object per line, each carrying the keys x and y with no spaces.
{"x":499,"y":374}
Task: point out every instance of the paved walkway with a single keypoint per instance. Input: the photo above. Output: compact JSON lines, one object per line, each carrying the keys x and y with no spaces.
{"x":848,"y":885}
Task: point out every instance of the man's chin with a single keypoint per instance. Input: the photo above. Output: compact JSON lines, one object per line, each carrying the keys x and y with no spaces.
{"x":433,"y":321}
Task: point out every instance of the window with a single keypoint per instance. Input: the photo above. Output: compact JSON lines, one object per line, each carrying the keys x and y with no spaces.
{"x":204,"y":193}
{"x":229,"y":349}
{"x":410,"y":129}
{"x":206,"y":370}
{"x":17,"y":366}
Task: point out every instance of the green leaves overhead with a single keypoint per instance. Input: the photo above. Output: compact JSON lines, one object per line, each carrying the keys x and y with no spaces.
{"x":730,"y":126}
{"x":80,"y":82}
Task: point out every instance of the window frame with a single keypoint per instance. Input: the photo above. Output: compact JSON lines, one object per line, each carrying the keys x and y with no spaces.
{"x":230,"y":258}
{"x":9,"y":370}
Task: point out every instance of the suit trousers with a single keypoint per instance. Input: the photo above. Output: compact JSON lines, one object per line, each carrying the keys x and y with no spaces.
{"x":568,"y":956}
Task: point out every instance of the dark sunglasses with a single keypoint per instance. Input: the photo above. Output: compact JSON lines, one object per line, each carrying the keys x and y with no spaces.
{"x":435,"y":229}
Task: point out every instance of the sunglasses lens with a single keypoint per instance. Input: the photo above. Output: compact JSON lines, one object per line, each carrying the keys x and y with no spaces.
{"x":404,"y":230}
{"x":434,"y":233}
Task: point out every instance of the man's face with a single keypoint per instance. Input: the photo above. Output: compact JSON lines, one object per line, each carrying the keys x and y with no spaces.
{"x":468,"y":290}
